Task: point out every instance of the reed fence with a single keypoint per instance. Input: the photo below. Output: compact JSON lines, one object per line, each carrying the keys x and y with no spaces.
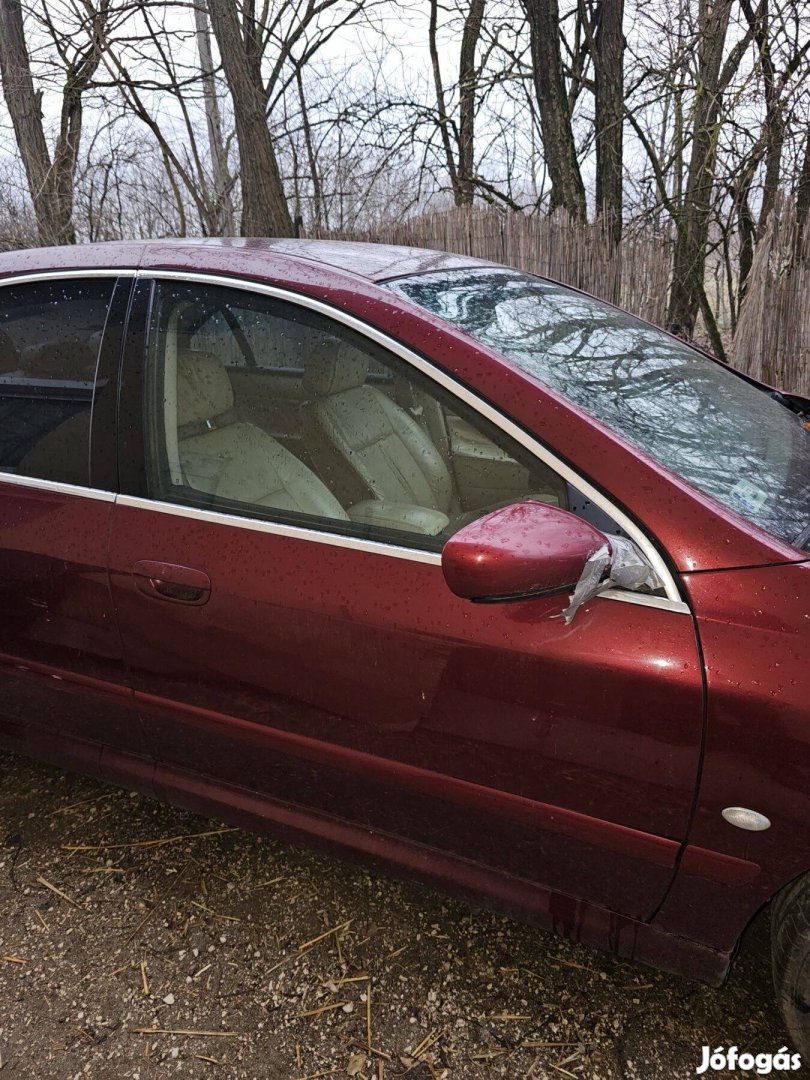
{"x":772,"y":341}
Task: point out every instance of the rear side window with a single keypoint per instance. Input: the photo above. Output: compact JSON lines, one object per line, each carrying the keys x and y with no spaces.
{"x":50,"y":335}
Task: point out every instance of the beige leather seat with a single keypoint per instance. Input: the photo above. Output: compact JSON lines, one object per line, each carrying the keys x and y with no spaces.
{"x":363,"y":443}
{"x":223,"y":456}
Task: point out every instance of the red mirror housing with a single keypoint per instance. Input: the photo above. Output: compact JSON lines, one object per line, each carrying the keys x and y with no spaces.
{"x":526,"y":549}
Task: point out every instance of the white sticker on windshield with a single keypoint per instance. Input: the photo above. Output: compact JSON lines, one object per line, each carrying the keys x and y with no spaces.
{"x":748,"y":496}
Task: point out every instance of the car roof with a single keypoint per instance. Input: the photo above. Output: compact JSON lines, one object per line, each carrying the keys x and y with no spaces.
{"x":377,"y":262}
{"x":374,"y":262}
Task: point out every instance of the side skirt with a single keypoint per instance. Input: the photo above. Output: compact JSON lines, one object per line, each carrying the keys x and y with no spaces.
{"x":477,"y":884}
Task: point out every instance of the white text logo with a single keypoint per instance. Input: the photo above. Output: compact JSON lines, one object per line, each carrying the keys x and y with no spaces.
{"x":721,"y":1059}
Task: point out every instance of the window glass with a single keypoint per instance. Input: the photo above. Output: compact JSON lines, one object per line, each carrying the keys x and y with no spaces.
{"x":314,"y":424}
{"x":726,"y":436}
{"x":242,"y":342}
{"x":50,"y":334}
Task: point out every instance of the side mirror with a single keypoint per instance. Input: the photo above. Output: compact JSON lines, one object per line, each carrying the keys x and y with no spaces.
{"x":523,"y":550}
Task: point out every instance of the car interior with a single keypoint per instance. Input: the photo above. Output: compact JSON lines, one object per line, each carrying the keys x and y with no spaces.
{"x":46,"y":390}
{"x":287,"y":416}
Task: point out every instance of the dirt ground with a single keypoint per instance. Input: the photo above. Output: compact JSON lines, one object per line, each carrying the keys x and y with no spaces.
{"x":141,"y":941}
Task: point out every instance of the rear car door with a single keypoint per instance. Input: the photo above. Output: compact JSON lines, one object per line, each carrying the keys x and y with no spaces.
{"x":290,"y":633}
{"x":63,"y":690}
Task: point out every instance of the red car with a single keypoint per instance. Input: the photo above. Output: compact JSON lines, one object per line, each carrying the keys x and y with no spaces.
{"x":423,"y":559}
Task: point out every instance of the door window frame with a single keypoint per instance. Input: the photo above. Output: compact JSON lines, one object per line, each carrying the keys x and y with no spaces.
{"x":102,"y":471}
{"x":132,"y":450}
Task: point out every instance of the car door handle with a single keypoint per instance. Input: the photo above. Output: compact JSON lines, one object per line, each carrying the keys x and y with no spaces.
{"x":167,"y":581}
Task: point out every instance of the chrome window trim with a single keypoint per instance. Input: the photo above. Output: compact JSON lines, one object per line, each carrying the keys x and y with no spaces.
{"x":354,"y":543}
{"x":278,"y":528}
{"x":56,"y":486}
{"x":673,"y":600}
{"x":29,"y":276}
{"x":296,"y":532}
{"x":645,"y":600}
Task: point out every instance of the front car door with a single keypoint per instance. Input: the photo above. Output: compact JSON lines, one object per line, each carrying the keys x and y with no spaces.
{"x":275,"y":564}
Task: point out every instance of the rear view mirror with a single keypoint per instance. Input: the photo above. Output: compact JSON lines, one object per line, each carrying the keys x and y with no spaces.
{"x":523,"y":550}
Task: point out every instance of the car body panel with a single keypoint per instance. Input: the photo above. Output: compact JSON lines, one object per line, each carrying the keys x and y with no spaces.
{"x":754,"y":628}
{"x":61,"y":662}
{"x":470,"y":880}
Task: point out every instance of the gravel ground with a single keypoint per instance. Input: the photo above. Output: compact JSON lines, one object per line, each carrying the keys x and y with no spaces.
{"x":137,"y":940}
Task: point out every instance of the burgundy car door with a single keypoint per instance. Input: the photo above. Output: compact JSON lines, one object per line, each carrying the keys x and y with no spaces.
{"x":329,"y":670}
{"x":63,"y":688}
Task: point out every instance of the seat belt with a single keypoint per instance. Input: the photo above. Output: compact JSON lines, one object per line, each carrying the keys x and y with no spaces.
{"x":199,"y":427}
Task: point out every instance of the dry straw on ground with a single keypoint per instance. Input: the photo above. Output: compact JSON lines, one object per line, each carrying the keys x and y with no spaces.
{"x":321,"y":969}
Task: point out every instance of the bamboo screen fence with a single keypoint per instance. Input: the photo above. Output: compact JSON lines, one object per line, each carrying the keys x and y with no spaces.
{"x":772,"y":341}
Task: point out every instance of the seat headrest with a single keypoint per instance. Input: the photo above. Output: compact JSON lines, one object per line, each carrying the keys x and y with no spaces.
{"x":333,"y":368}
{"x":203,"y":387}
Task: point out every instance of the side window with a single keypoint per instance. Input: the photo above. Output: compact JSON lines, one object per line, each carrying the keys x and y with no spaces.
{"x":50,"y":334}
{"x":362,"y":443}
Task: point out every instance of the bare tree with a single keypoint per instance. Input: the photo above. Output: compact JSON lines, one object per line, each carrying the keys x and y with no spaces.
{"x":458,"y":139}
{"x":50,"y":178}
{"x":803,"y":196}
{"x":223,"y":182}
{"x":152,"y":49}
{"x":687,"y":295}
{"x":717,"y":189}
{"x":468,"y":77}
{"x":261,"y":53}
{"x":567,"y":188}
{"x":608,"y":64}
{"x":264,"y":204}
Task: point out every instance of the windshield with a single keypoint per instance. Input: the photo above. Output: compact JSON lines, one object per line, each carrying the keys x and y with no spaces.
{"x":723,"y":434}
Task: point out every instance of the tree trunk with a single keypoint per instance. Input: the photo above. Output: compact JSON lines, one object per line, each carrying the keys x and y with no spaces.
{"x":49,"y":183}
{"x":773,"y":131}
{"x":264,"y":204}
{"x":608,"y":59}
{"x":441,"y":104}
{"x":747,"y":232}
{"x":467,"y":86}
{"x":312,"y":158}
{"x":803,"y":201}
{"x":223,"y":204}
{"x":693,"y":228}
{"x":567,"y":189}
{"x":775,"y":139}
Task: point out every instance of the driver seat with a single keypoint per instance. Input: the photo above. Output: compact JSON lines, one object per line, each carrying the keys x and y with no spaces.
{"x":231,"y":459}
{"x":362,"y":442}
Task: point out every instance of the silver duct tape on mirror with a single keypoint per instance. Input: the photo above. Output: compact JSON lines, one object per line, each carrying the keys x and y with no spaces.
{"x":617,"y":565}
